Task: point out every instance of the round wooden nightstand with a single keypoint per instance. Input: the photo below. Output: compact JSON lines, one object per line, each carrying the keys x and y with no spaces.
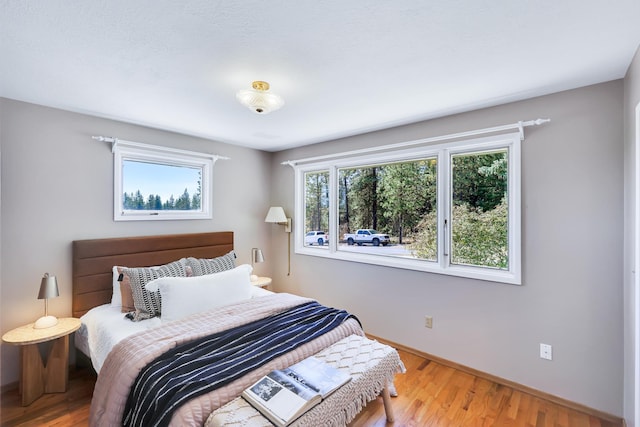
{"x":262,"y":282}
{"x":36,"y":376}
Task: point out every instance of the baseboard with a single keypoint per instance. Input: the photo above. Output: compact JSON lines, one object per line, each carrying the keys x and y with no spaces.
{"x":9,"y":387}
{"x":519,"y":387}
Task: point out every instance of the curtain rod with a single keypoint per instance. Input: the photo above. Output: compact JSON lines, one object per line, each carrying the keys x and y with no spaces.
{"x":115,"y":142}
{"x":519,"y":125}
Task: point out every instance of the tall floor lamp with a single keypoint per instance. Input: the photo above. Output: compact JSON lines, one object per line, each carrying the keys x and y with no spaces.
{"x":276,"y":215}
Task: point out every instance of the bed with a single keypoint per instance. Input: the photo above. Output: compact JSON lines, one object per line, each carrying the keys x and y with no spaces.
{"x":132,"y":345}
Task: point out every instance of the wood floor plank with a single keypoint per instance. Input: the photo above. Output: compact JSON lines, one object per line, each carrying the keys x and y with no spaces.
{"x":429,"y":395}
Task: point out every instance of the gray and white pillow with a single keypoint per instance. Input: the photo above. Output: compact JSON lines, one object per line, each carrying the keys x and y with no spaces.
{"x":149,"y":304}
{"x":203,"y":266}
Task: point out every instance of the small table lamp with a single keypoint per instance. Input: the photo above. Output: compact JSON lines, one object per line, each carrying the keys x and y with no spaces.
{"x":256,"y":257}
{"x":48,"y":289}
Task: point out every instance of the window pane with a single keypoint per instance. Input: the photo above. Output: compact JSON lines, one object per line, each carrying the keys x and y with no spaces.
{"x":316,"y":208}
{"x":389,"y":209}
{"x":479,"y":209}
{"x":160,"y":187}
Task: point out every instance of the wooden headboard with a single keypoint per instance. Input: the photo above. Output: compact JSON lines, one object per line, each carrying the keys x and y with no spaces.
{"x":93,"y":260}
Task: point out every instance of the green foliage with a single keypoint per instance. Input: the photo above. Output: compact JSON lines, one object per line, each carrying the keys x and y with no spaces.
{"x":479,"y":180}
{"x":407,"y":193}
{"x":317,"y":201}
{"x":359,"y":197}
{"x":480,"y":237}
{"x":196,"y":201}
{"x":425,"y":243}
{"x":136,"y":201}
{"x":391,"y":198}
{"x":184,"y":202}
{"x":400,"y":199}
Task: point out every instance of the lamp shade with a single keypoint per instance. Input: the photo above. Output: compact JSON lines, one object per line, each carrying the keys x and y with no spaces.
{"x":48,"y":287}
{"x":276,"y":214}
{"x":256,"y":256}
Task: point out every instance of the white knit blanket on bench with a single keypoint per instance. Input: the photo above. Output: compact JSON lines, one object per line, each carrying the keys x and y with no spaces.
{"x":372,"y":367}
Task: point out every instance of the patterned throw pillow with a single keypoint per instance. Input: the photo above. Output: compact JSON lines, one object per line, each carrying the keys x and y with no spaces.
{"x":149,"y":304}
{"x":124,"y":283}
{"x":202,"y":266}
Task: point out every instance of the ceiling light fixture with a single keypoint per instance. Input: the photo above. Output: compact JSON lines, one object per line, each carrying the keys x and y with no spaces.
{"x":258,"y":99}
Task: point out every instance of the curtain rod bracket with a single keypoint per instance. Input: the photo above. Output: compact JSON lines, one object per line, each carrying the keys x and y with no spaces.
{"x":112,"y":140}
{"x":536,"y":122}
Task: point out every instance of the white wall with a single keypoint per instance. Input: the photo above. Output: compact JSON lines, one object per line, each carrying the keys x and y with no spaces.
{"x":631,"y":99}
{"x":572,"y":289}
{"x":57,"y":186}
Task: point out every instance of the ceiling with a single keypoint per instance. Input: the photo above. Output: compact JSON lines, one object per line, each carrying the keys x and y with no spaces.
{"x":342,"y":67}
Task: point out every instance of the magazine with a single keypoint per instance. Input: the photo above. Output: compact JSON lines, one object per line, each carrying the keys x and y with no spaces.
{"x":285,"y":394}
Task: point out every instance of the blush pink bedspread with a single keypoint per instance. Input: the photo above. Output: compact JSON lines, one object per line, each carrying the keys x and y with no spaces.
{"x":133,"y":353}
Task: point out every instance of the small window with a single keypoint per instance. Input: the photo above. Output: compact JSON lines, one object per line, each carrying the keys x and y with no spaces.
{"x":159,"y":183}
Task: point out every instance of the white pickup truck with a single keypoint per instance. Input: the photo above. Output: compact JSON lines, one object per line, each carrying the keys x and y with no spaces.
{"x":367,"y":235}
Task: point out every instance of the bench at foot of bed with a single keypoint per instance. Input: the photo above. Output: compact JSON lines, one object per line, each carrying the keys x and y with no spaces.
{"x":372,"y":366}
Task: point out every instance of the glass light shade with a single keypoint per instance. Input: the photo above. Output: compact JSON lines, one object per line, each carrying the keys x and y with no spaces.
{"x":258,"y":99}
{"x":276,"y":214}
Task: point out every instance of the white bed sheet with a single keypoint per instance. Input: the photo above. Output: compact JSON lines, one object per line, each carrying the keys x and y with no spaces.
{"x":104,"y":326}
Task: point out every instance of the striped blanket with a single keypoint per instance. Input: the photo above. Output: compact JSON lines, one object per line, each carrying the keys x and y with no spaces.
{"x":205,"y":364}
{"x":131,"y":355}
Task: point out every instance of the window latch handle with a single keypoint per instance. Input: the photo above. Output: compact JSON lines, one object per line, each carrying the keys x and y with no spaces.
{"x":446,"y":239}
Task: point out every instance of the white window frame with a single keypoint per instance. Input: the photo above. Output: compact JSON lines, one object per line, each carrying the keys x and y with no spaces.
{"x":134,"y":151}
{"x":443,"y":152}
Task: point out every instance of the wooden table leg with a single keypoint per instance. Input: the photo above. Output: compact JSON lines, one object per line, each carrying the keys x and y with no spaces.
{"x":39,"y":378}
{"x":32,"y":377}
{"x":56,"y":371}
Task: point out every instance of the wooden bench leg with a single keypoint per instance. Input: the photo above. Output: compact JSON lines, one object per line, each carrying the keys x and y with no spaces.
{"x":386,"y":400}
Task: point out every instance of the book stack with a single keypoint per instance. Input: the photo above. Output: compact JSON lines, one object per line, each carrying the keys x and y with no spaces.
{"x":284,"y":395}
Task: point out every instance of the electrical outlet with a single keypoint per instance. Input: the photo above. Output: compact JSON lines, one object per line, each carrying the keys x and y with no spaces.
{"x":546,"y":351}
{"x":428,"y":322}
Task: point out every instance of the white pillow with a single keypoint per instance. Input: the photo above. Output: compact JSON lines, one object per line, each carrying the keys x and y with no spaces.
{"x":183,"y":296}
{"x":116,"y":296}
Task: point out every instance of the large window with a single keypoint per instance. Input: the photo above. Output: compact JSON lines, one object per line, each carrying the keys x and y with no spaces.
{"x":158,"y":183}
{"x":450,"y":208}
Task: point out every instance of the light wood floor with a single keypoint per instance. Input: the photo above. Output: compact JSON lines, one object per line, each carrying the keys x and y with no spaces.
{"x":430,"y":394}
